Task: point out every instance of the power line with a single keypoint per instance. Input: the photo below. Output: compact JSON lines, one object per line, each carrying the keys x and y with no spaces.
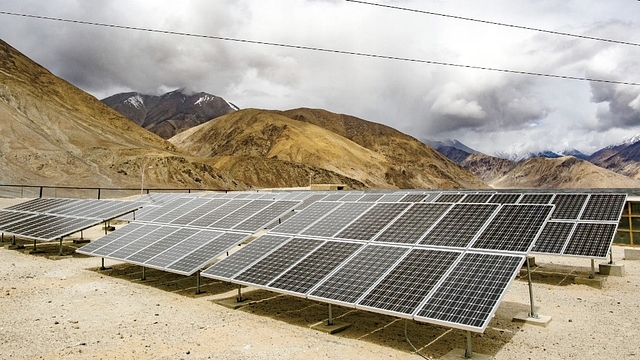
{"x":311,"y":48}
{"x":620,"y":42}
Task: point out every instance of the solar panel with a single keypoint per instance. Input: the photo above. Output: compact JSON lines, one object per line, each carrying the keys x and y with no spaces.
{"x":535,"y":199}
{"x":352,"y":197}
{"x":504,"y":198}
{"x":40,"y":204}
{"x":304,"y":218}
{"x":356,"y":276}
{"x":404,"y":288}
{"x":238,"y":261}
{"x":199,"y":211}
{"x":313,"y":268}
{"x":411,"y":225}
{"x":470,"y":294}
{"x":450,"y":198}
{"x":371,"y":222}
{"x":460,"y":225}
{"x":337,"y":219}
{"x":142,"y":242}
{"x":47,"y":227}
{"x":8,"y":217}
{"x":334,"y":197}
{"x":513,"y":228}
{"x":205,"y":254}
{"x":269,"y":267}
{"x":591,"y":240}
{"x":160,"y":211}
{"x":174,"y":213}
{"x":568,"y":206}
{"x":604,"y":207}
{"x":118,"y":239}
{"x":391,"y":198}
{"x":477,"y":198}
{"x":266,"y":216}
{"x":107,"y":239}
{"x":553,"y":237}
{"x":431,"y":196}
{"x":370,"y":198}
{"x":216,"y":214}
{"x":161,"y":245}
{"x":413,"y":198}
{"x":309,"y":200}
{"x":241,"y":214}
{"x":181,"y":249}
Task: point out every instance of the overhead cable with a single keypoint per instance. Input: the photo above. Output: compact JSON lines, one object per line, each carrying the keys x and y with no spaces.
{"x":620,"y":42}
{"x":325,"y":50}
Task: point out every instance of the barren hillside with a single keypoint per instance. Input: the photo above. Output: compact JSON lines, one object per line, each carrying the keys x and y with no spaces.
{"x":55,"y":134}
{"x":321,"y":147}
{"x":487,"y":168}
{"x":558,"y":173}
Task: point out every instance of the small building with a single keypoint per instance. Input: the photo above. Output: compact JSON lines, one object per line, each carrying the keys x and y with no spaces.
{"x":629,"y":226}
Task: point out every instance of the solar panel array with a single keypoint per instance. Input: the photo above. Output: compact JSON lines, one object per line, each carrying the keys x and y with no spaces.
{"x":47,"y":219}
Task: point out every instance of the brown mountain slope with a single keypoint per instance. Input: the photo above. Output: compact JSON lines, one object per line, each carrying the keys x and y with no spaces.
{"x":561,"y":173}
{"x":53,"y":133}
{"x":487,"y":168}
{"x":243,"y":139}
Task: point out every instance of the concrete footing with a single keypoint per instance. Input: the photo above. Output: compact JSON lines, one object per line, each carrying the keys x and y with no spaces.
{"x":597,"y":282}
{"x":457,"y":354}
{"x":36,"y":251}
{"x":336,"y":327}
{"x":81,"y":241}
{"x":14,"y":247}
{"x":611,"y":269}
{"x":541,"y":320}
{"x":632,"y":254}
{"x":233,"y":303}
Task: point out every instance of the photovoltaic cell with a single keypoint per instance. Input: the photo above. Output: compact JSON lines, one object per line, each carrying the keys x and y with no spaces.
{"x":460,"y":225}
{"x":218,"y":213}
{"x":182,"y":249}
{"x":8,"y":217}
{"x":553,"y":237}
{"x":604,"y":207}
{"x":450,"y":198}
{"x":172,"y":214}
{"x":476,"y":198}
{"x":121,"y":241}
{"x":355,"y":277}
{"x":247,"y":255}
{"x":269,"y":267}
{"x":266,"y":216}
{"x":371,"y":222}
{"x":431,"y":196}
{"x":514,"y":228}
{"x":591,"y":240}
{"x":304,"y":218}
{"x":352,"y":197}
{"x":337,"y":219}
{"x":196,"y":213}
{"x":204,"y":255}
{"x":308,"y":272}
{"x":152,"y":215}
{"x":162,"y":245}
{"x":370,"y":198}
{"x":240,"y":215}
{"x":568,"y":206}
{"x":404,"y":288}
{"x":413,"y":198}
{"x":470,"y":294}
{"x":391,"y":198}
{"x":334,"y":197}
{"x":504,"y":198}
{"x":411,"y":225}
{"x":107,"y":239}
{"x":40,"y":204}
{"x":535,"y":199}
{"x":142,"y":242}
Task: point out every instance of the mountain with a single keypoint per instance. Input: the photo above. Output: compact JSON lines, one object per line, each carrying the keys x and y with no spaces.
{"x":52,"y":133}
{"x":294,"y":147}
{"x":452,"y":149}
{"x":560,"y":173}
{"x":170,"y":113}
{"x":623,"y":158}
{"x":520,"y":151}
{"x":487,"y":168}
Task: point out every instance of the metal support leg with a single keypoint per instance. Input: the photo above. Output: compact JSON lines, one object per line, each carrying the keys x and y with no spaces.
{"x":532,"y":314}
{"x":144,"y":273}
{"x":2,"y":238}
{"x":60,"y":253}
{"x":611,"y":256}
{"x":34,"y":246}
{"x":239,"y":297}
{"x":105,"y":228}
{"x":592,"y":275}
{"x":330,"y":320}
{"x":81,"y":235}
{"x":13,"y":242}
{"x":468,"y":353}
{"x":102,"y":267}
{"x":198,"y":283}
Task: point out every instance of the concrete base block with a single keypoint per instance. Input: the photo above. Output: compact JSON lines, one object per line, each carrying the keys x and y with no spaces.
{"x":632,"y":254}
{"x":14,"y":247}
{"x":81,"y":241}
{"x":523,"y":317}
{"x":35,"y":251}
{"x":597,"y":282}
{"x":457,"y":354}
{"x":233,"y":303}
{"x":336,"y":327}
{"x":612,"y":269}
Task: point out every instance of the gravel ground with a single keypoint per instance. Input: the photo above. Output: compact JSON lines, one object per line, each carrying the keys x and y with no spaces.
{"x":68,"y":308}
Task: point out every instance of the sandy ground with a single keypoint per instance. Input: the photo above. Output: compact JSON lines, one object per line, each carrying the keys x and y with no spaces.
{"x":68,"y":308}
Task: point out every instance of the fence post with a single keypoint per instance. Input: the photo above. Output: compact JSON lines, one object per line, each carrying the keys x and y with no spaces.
{"x":99,"y":193}
{"x":41,"y":191}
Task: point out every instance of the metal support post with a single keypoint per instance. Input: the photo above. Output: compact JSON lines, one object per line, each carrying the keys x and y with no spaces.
{"x":144,"y":273}
{"x":611,"y":256}
{"x":468,"y":353}
{"x":102,"y":267}
{"x":239,"y":297}
{"x":2,"y":238}
{"x":60,"y":253}
{"x":14,"y":241}
{"x":592,"y":275}
{"x":81,"y":235}
{"x":330,"y":320}
{"x":34,"y":245}
{"x":532,"y":314}
{"x":105,"y":228}
{"x":198,"y":283}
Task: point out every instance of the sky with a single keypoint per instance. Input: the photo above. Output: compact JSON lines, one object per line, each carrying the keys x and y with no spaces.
{"x":486,"y":110}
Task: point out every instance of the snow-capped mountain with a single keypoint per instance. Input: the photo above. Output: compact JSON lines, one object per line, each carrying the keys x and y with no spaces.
{"x":520,"y":151}
{"x":171,"y":113}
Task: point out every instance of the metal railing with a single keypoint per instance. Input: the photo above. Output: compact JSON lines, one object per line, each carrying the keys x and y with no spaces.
{"x":35,"y":191}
